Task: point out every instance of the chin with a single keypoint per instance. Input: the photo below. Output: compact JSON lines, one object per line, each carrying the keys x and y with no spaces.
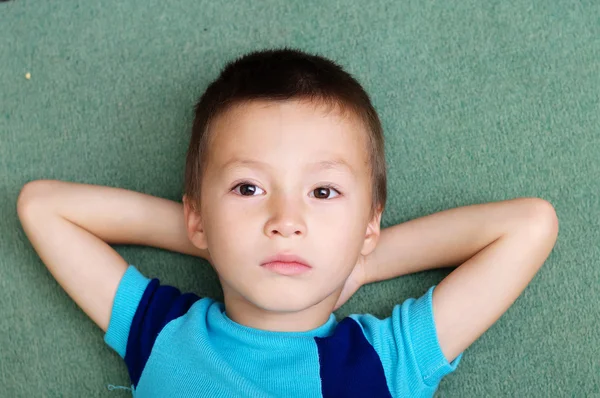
{"x":284,"y":306}
{"x":282,"y":303}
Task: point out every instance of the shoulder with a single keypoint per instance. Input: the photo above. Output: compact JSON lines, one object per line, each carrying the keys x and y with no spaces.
{"x":142,"y":308}
{"x":407,"y":342}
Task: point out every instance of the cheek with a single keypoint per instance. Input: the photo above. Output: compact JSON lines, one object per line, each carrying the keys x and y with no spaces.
{"x":345,"y":237}
{"x":231,"y":234}
{"x":226,"y":227}
{"x":340,"y":223}
{"x":339,"y":239}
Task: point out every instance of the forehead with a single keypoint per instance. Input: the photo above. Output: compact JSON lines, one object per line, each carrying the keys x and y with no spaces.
{"x":285,"y":134}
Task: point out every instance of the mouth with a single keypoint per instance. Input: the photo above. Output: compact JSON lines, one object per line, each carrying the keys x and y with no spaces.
{"x":286,"y":264}
{"x":286,"y":268}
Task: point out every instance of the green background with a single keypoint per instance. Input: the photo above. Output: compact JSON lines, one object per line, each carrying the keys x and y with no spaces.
{"x":480,"y":101}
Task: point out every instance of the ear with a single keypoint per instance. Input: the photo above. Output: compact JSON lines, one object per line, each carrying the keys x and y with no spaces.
{"x":372,"y":234}
{"x":193,"y":223}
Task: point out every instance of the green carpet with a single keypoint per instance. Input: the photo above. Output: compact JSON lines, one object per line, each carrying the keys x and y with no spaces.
{"x":480,"y":101}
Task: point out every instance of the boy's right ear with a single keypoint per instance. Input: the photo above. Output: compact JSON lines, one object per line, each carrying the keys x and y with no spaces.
{"x":194,"y":227}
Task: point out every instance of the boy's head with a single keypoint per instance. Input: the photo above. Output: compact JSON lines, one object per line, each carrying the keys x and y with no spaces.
{"x":296,"y":115}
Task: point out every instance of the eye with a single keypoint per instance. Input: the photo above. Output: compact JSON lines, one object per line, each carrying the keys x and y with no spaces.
{"x":323,"y":192}
{"x":248,"y":189}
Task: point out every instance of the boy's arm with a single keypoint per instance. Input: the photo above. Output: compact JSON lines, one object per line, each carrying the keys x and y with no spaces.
{"x":501,"y":246}
{"x":70,"y":226}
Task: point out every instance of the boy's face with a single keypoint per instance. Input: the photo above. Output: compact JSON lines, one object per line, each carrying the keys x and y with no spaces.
{"x":282,"y":207}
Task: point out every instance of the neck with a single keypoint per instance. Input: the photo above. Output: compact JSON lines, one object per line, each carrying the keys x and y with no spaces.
{"x":241,"y":311}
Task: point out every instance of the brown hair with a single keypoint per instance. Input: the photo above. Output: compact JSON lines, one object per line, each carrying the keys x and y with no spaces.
{"x":282,"y":74}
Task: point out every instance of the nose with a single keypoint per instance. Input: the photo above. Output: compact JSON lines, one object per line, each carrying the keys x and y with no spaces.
{"x":286,"y":217}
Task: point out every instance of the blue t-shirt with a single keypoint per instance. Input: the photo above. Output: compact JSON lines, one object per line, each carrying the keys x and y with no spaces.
{"x":181,"y":345}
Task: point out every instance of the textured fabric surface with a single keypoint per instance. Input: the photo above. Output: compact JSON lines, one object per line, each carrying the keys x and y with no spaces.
{"x":480,"y":101}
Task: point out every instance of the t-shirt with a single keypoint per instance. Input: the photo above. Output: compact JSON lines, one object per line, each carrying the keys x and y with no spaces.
{"x":181,"y":345}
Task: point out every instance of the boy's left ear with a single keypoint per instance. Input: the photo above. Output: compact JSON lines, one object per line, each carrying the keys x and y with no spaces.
{"x":372,"y":234}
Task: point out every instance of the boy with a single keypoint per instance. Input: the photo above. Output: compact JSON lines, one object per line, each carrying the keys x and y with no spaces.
{"x":285,"y":184}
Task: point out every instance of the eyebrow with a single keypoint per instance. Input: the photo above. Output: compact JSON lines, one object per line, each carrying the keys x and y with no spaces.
{"x":336,"y":164}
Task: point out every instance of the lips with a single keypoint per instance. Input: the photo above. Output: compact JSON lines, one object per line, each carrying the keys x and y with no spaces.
{"x":286,"y":258}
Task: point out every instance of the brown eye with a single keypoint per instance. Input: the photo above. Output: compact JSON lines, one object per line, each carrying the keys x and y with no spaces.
{"x":324,"y":192}
{"x":246,"y":189}
{"x":321,"y":193}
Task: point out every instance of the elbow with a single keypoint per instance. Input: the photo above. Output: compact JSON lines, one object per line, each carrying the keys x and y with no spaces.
{"x":542,"y":226}
{"x":30,"y":194}
{"x":544,"y":218}
{"x":24,"y":198}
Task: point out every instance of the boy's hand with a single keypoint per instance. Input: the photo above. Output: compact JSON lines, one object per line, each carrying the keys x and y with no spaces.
{"x":356,"y":279}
